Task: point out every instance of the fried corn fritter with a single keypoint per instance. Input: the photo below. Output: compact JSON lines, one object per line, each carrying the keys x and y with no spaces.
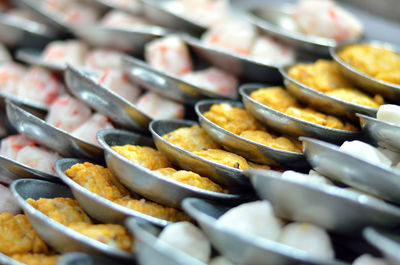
{"x":223,"y":157}
{"x":240,"y":122}
{"x":62,"y":210}
{"x":18,"y":237}
{"x":109,"y":234}
{"x":191,"y":178}
{"x":279,"y":99}
{"x":191,"y":139}
{"x":142,"y":155}
{"x":36,"y":259}
{"x":378,"y":62}
{"x":100,"y":176}
{"x":324,"y":76}
{"x":98,"y":180}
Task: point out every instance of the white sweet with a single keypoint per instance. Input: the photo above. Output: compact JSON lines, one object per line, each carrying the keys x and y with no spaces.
{"x":392,"y":156}
{"x":389,"y":113}
{"x":104,"y":59}
{"x":252,"y":219}
{"x":365,"y":152}
{"x":169,"y":54}
{"x":11,"y":75}
{"x":220,"y":260}
{"x":313,"y":240}
{"x":312,"y":178}
{"x":88,"y":130}
{"x":188,"y":239}
{"x":367,"y":259}
{"x":158,"y":107}
{"x":11,"y":145}
{"x":7,"y":201}
{"x":120,"y":19}
{"x":38,"y":158}
{"x":131,"y":4}
{"x":71,"y":52}
{"x":215,"y":80}
{"x":268,"y":51}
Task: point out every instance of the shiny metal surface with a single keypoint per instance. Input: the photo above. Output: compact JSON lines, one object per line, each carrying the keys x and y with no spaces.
{"x":4,"y":96}
{"x":224,"y":175}
{"x":34,"y":57}
{"x":249,"y":149}
{"x":368,"y":83}
{"x":387,"y":243}
{"x":135,"y":9}
{"x":105,"y":101}
{"x":128,"y":40}
{"x":150,"y":251}
{"x":158,"y":12}
{"x":242,"y":66}
{"x":245,"y":249}
{"x":58,"y":236}
{"x":287,"y":124}
{"x":320,"y":100}
{"x":381,"y":133}
{"x":6,"y":260}
{"x":327,"y":159}
{"x":168,"y":85}
{"x":144,"y":181}
{"x":15,"y":31}
{"x":330,"y":207}
{"x":96,"y":206}
{"x":50,"y":136}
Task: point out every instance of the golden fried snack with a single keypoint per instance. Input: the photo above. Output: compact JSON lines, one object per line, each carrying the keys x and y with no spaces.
{"x":255,"y":165}
{"x":267,"y":139}
{"x":18,"y":237}
{"x":97,"y":179}
{"x":110,"y":234}
{"x":223,"y":157}
{"x":191,"y":139}
{"x":374,"y":61}
{"x":142,"y":155}
{"x":233,"y":119}
{"x":191,"y":178}
{"x":62,"y":210}
{"x":153,"y":209}
{"x":324,"y":76}
{"x":36,"y":259}
{"x":272,"y":96}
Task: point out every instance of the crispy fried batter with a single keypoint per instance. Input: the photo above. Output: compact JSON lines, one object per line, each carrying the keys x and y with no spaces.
{"x":223,"y":157}
{"x":36,"y":259}
{"x":267,"y":139}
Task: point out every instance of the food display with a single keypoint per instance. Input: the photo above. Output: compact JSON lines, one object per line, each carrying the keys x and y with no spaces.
{"x":376,"y":61}
{"x":389,"y":113}
{"x":71,"y":52}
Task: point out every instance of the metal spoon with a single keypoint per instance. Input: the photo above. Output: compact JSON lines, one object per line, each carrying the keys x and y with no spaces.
{"x":50,"y":136}
{"x":249,"y":149}
{"x":96,"y":206}
{"x":105,"y":101}
{"x":286,"y":124}
{"x":58,"y":236}
{"x":239,"y":65}
{"x":368,"y":83}
{"x":320,"y":100}
{"x":151,"y":251}
{"x":75,"y":258}
{"x":225,"y":175}
{"x":382,"y":133}
{"x":168,"y":85}
{"x":328,"y":206}
{"x":144,"y":181}
{"x":327,"y":159}
{"x":245,"y":249}
{"x":6,"y":260}
{"x":388,"y":244}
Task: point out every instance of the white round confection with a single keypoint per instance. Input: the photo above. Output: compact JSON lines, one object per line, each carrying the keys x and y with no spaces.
{"x":88,"y":130}
{"x":389,"y":113}
{"x":312,"y":178}
{"x":313,"y":240}
{"x":158,"y":107}
{"x":7,"y":201}
{"x":38,"y":158}
{"x":367,"y":259}
{"x":220,"y":260}
{"x":11,"y":75}
{"x":78,"y":14}
{"x":72,"y":52}
{"x":365,"y":152}
{"x":268,"y":51}
{"x":67,"y":113}
{"x":252,"y":219}
{"x":120,"y":19}
{"x":11,"y":145}
{"x":392,"y":156}
{"x":188,"y":239}
{"x":104,"y":59}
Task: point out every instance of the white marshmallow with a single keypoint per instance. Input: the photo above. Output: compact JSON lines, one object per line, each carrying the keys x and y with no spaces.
{"x":11,"y":145}
{"x":389,"y":113}
{"x":158,"y":107}
{"x":88,"y":130}
{"x":268,"y":51}
{"x":312,"y":178}
{"x":392,"y":156}
{"x":38,"y":158}
{"x":7,"y":202}
{"x":367,"y":259}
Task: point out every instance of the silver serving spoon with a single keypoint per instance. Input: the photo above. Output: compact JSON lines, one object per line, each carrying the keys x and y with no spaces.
{"x":224,"y":175}
{"x":368,"y":83}
{"x":320,"y":100}
{"x":144,"y":181}
{"x":150,"y":251}
{"x":168,"y":85}
{"x":105,"y":101}
{"x":330,"y":207}
{"x":249,"y":149}
{"x":50,"y":136}
{"x":58,"y":236}
{"x":286,"y":124}
{"x":74,"y":258}
{"x":387,"y":243}
{"x":327,"y":159}
{"x":242,"y":248}
{"x":382,"y":133}
{"x":96,"y":206}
